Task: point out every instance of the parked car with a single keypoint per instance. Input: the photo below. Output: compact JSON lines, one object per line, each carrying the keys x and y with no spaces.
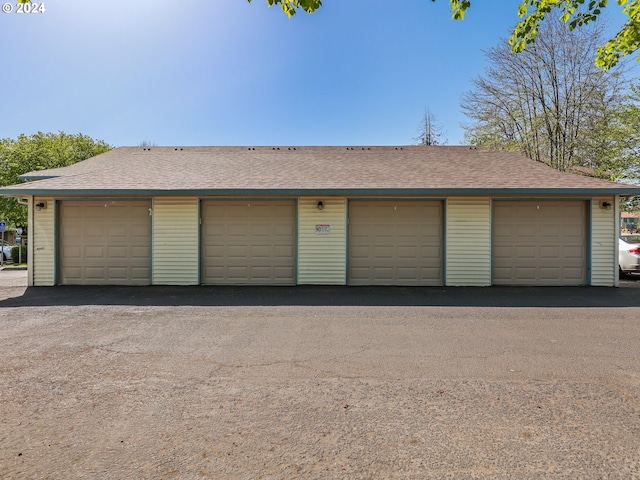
{"x":629,"y":253}
{"x":6,"y":251}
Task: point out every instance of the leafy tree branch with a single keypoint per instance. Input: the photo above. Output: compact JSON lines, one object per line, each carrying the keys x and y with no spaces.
{"x":574,"y":13}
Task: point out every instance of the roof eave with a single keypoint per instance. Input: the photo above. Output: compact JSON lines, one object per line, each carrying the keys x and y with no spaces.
{"x":588,"y":191}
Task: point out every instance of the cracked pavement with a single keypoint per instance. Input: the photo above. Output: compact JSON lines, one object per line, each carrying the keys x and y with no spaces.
{"x":318,"y":383}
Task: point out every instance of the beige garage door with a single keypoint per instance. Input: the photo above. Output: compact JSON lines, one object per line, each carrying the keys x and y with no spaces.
{"x":248,"y":242}
{"x":395,"y":242}
{"x":539,"y":242}
{"x":104,"y":242}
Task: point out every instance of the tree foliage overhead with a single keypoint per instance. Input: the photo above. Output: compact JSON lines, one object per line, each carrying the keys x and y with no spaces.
{"x":290,"y":6}
{"x":574,"y":13}
{"x":553,"y":103}
{"x":39,"y":151}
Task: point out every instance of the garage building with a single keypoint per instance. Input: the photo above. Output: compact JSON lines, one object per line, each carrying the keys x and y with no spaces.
{"x":410,"y":215}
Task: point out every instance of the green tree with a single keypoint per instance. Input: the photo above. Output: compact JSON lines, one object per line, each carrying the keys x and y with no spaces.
{"x":574,"y":13}
{"x":550,"y":102}
{"x":621,"y":139}
{"x":290,"y":6}
{"x":39,"y":151}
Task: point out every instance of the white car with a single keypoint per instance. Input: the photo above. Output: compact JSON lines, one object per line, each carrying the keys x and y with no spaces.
{"x":6,"y":251}
{"x":629,"y":254}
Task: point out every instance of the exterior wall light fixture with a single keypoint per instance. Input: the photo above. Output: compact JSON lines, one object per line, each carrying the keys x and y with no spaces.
{"x":41,"y":205}
{"x":320,"y":205}
{"x":606,"y":205}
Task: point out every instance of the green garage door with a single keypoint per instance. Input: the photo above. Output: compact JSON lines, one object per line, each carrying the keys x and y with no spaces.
{"x":538,"y":242}
{"x":104,"y":242}
{"x":248,"y":242}
{"x":395,"y":242}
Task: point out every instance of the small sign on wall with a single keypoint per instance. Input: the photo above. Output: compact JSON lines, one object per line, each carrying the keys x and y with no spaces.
{"x":323,"y":229}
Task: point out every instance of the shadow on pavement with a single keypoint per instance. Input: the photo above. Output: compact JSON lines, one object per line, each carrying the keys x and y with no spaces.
{"x":587,"y":297}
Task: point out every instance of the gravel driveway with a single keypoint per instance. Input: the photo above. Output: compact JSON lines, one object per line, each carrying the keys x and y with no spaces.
{"x":318,"y":382}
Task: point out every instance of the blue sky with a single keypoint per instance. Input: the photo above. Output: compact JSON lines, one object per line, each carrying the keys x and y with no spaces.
{"x":226,"y":72}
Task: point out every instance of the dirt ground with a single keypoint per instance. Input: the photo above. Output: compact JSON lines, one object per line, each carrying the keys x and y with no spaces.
{"x":317,"y":383}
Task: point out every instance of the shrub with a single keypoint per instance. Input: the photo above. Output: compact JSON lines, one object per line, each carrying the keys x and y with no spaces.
{"x":15,"y":254}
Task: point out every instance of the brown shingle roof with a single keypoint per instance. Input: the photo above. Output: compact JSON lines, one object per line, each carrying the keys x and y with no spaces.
{"x":299,"y":170}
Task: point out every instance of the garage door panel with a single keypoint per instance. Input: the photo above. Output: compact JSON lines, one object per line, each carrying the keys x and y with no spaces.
{"x":551,"y":252}
{"x":117,"y":231}
{"x":282,"y":235}
{"x":96,"y":210}
{"x":140,"y":272}
{"x":525,"y":251}
{"x":104,"y":242}
{"x":550,"y":230}
{"x":575,"y":273}
{"x":434,"y":253}
{"x":213,"y":251}
{"x":539,"y":242}
{"x":575,"y":253}
{"x":213,"y":272}
{"x":574,"y":211}
{"x":550,"y":273}
{"x":237,"y":272}
{"x":261,"y":273}
{"x":384,"y":252}
{"x":264,"y":230}
{"x":431,"y":231}
{"x":266,"y":211}
{"x":140,"y":232}
{"x":94,"y":231}
{"x":395,"y":242}
{"x":140,"y":253}
{"x":237,"y":230}
{"x":72,"y":229}
{"x":503,"y":230}
{"x":284,"y":251}
{"x":74,"y":272}
{"x":94,"y":252}
{"x":117,"y":252}
{"x":383,"y":272}
{"x":407,"y":273}
{"x":237,"y":251}
{"x":500,"y":272}
{"x":257,"y":246}
{"x":118,"y":273}
{"x":431,"y":272}
{"x":408,"y":252}
{"x":72,"y":253}
{"x":261,"y":251}
{"x":284,"y":272}
{"x":526,"y":273}
{"x":94,"y":273}
{"x":358,"y":271}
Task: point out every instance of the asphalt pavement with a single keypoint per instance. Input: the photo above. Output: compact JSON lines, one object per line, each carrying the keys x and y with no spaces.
{"x":14,"y":293}
{"x":319,"y":382}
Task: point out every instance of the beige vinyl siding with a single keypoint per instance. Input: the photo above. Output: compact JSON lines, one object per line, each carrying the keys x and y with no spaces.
{"x":322,"y":254}
{"x":175,"y":241}
{"x":604,"y":247}
{"x":468,"y":241}
{"x":43,"y":243}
